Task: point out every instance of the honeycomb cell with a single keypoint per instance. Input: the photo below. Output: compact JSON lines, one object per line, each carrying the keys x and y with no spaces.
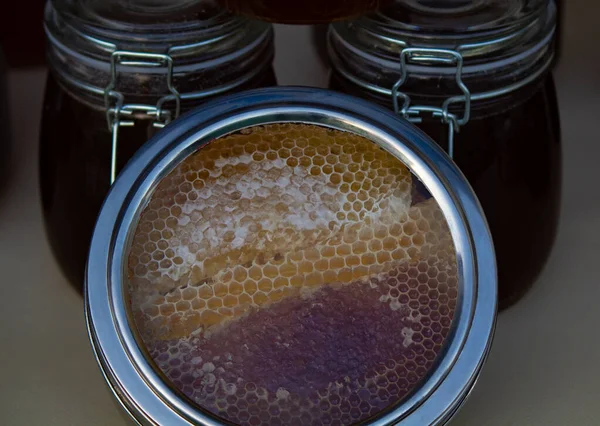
{"x":272,"y":269}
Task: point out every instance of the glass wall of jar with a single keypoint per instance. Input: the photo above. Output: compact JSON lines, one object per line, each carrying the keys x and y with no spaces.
{"x":302,"y":11}
{"x":475,"y":76}
{"x":119,"y":71}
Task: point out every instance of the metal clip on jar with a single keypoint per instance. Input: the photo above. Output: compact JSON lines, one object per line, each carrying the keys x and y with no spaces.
{"x":475,"y":76}
{"x":291,"y":256}
{"x":120,"y":71}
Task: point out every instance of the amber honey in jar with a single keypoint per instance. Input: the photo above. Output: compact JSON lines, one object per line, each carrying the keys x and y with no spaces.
{"x":476,"y":77}
{"x":291,"y":256}
{"x":302,"y":11}
{"x":120,"y":71}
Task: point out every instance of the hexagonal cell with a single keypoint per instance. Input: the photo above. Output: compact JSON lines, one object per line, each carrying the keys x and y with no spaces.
{"x":243,"y":416}
{"x":285,"y":417}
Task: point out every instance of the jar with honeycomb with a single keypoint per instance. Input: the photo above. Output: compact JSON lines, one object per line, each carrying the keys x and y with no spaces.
{"x":302,"y":11}
{"x":291,"y":256}
{"x":119,"y":71}
{"x":475,"y":76}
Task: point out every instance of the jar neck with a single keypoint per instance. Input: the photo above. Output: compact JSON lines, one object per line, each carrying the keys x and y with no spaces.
{"x":482,"y":105}
{"x":223,"y":54}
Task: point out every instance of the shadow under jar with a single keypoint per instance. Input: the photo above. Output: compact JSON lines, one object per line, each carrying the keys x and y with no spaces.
{"x":475,"y":76}
{"x":118,"y":73}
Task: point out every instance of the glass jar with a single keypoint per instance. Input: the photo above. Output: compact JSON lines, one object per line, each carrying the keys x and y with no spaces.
{"x":302,"y":11}
{"x":118,"y":73}
{"x":291,"y":256}
{"x":481,"y":67}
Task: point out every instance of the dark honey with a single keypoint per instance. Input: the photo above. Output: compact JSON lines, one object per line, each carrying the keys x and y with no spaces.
{"x":302,"y":11}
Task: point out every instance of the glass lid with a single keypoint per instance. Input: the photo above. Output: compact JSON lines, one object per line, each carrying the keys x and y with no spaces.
{"x":462,"y":16}
{"x":185,"y":29}
{"x":481,"y":30}
{"x":140,"y":51}
{"x":140,"y":16}
{"x":292,"y":263}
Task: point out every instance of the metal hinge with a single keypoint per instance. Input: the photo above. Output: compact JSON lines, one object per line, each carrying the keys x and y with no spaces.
{"x":402,"y":101}
{"x":120,"y":114}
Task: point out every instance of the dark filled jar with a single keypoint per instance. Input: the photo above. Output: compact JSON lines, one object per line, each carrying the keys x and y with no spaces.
{"x":302,"y":11}
{"x":475,"y":76}
{"x":120,"y":71}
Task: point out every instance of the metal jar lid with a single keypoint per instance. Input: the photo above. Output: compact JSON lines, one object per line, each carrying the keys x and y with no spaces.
{"x":302,"y":12}
{"x":291,"y":256}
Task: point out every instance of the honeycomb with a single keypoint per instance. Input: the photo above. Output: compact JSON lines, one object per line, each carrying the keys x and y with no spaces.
{"x":293,"y":274}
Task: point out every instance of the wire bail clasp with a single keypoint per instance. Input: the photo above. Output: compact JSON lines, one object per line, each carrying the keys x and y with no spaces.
{"x":402,"y":101}
{"x":119,"y":114}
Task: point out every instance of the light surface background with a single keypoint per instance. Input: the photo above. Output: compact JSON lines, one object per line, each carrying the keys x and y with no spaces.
{"x":544,"y":369}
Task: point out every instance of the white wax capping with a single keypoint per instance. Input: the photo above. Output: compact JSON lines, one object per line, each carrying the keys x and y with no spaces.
{"x":407,"y":333}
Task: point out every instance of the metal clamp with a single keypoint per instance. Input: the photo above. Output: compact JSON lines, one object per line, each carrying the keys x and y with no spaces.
{"x":119,"y":114}
{"x":413,"y":112}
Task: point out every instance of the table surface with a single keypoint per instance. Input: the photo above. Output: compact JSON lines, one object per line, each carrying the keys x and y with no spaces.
{"x":543,"y":369}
